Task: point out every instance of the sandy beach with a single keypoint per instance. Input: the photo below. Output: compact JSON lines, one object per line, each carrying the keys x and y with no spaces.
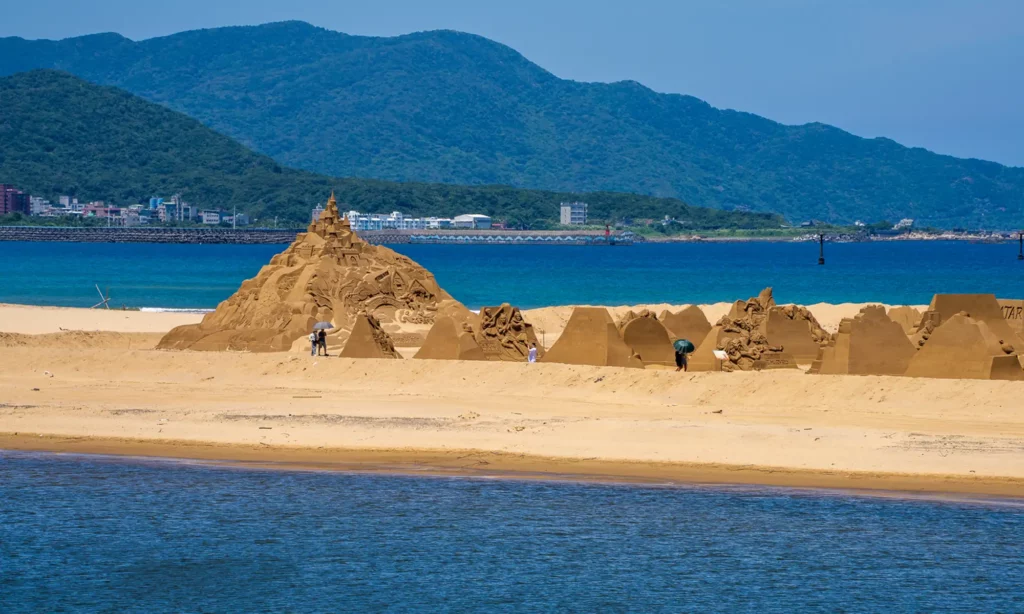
{"x":106,"y":391}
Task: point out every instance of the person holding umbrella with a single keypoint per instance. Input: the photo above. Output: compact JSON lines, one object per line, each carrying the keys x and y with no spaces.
{"x":320,"y":338}
{"x":682,"y":347}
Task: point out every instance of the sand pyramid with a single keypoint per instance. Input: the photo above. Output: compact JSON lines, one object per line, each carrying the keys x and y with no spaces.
{"x":867,"y":344}
{"x":591,"y":338}
{"x":449,"y":340}
{"x":368,"y":340}
{"x":963,"y":347}
{"x":649,"y":340}
{"x":689,"y":323}
{"x":982,"y":307}
{"x":327,"y":274}
{"x":503,"y":334}
{"x":906,"y":316}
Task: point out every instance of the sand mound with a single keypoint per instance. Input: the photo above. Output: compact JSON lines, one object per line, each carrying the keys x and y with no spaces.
{"x":368,"y":340}
{"x":503,"y":334}
{"x":796,"y":331}
{"x":870,"y":343}
{"x":448,"y":340}
{"x":907,"y":317}
{"x":327,"y":274}
{"x":964,"y":347}
{"x":81,"y":339}
{"x":689,"y":323}
{"x":591,"y":338}
{"x":649,"y":340}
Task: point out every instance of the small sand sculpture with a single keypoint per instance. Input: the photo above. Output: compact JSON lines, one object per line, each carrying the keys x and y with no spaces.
{"x":867,"y":344}
{"x":503,"y":334}
{"x":450,"y":340}
{"x":690,"y":323}
{"x":963,"y":347}
{"x":327,"y":274}
{"x":649,"y":340}
{"x":368,"y":340}
{"x":907,"y":317}
{"x":591,"y":338}
{"x":795,"y":330}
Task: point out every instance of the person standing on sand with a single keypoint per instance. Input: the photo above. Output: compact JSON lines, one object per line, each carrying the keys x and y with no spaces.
{"x":312,"y":343}
{"x":680,"y":360}
{"x":322,"y":342}
{"x":532,"y":357}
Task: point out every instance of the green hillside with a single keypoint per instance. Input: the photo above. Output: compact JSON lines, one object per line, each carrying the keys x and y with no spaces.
{"x":457,"y":108}
{"x":62,"y":135}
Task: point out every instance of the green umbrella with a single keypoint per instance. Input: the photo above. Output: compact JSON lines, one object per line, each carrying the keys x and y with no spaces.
{"x":684,"y":346}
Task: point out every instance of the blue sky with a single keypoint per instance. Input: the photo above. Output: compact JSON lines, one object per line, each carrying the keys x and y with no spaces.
{"x":940,"y":74}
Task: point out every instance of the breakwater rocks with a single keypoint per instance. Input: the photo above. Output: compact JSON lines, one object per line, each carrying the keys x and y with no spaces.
{"x":147,"y":235}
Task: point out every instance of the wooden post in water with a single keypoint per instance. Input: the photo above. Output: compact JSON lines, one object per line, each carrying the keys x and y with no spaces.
{"x":821,"y":249}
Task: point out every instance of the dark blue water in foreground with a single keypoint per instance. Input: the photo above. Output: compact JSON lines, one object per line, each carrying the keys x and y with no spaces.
{"x":200,"y":276}
{"x":98,"y":534}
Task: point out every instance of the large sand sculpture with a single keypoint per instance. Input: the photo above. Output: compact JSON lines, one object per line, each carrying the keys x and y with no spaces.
{"x":368,"y":340}
{"x":689,"y":323}
{"x":907,"y":317}
{"x":758,"y":334}
{"x":450,"y":340}
{"x":870,"y":343}
{"x":327,"y":274}
{"x":591,"y":338}
{"x":968,"y":348}
{"x":649,"y":340}
{"x":503,"y":334}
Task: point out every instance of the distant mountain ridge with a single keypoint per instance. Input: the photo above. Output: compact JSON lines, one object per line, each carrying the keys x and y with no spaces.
{"x":458,"y":108}
{"x":62,"y":135}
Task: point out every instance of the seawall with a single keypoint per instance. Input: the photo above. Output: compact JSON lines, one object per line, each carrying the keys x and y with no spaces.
{"x":159,"y":234}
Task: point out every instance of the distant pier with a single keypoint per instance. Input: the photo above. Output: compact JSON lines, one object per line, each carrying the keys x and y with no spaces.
{"x":260,"y":236}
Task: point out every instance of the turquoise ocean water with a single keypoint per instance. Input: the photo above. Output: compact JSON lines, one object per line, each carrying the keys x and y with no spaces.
{"x":200,"y":276}
{"x":92,"y":534}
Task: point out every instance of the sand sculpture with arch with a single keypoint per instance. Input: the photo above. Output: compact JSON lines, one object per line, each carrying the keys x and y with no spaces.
{"x":649,"y":340}
{"x":689,"y":323}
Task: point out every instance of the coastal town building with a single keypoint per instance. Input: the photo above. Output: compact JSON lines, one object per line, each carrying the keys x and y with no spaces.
{"x":13,"y":200}
{"x":904,"y":224}
{"x":573,"y":214}
{"x":475,"y":221}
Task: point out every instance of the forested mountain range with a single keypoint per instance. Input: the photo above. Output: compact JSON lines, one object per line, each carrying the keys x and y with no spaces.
{"x":456,"y":108}
{"x":62,"y":135}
